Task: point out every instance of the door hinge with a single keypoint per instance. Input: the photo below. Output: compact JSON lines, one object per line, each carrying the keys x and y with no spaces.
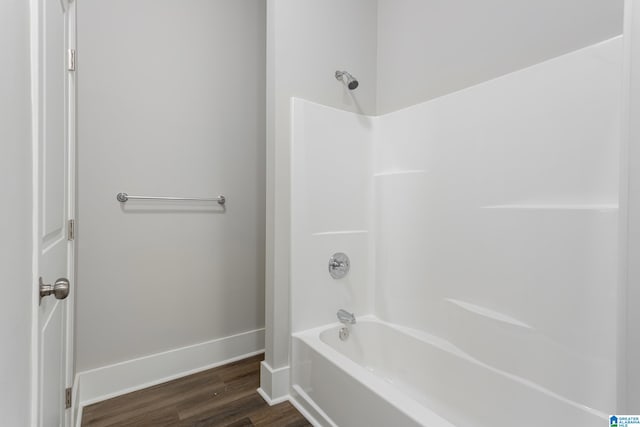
{"x":71,"y":59}
{"x":68,"y":393}
{"x":71,"y":229}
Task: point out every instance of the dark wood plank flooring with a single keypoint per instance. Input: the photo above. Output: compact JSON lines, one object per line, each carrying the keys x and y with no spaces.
{"x":223,"y":396}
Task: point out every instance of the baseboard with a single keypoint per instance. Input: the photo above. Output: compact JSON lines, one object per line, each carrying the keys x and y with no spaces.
{"x":307,"y":407}
{"x":268,"y":399}
{"x":109,"y":381}
{"x":274,"y":384}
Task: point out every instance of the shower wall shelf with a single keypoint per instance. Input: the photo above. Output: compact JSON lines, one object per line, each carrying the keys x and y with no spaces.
{"x":405,"y":172}
{"x":335,"y":233}
{"x":564,"y":207}
{"x":488,"y":313}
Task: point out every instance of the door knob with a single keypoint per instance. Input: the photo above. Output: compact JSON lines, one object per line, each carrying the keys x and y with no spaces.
{"x":59,"y":289}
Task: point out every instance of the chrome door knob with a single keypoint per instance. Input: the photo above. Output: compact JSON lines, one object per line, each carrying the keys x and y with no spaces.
{"x":59,"y":289}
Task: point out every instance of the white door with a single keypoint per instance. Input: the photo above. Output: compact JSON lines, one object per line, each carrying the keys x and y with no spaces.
{"x":53,"y":207}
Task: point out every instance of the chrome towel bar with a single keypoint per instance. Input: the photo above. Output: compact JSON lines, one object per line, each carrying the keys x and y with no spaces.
{"x":124,"y":197}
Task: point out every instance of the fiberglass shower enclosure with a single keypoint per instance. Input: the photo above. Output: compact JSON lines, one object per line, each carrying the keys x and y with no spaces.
{"x":483,"y":223}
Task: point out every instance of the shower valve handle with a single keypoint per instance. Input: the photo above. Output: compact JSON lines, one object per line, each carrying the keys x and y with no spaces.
{"x":339,"y":265}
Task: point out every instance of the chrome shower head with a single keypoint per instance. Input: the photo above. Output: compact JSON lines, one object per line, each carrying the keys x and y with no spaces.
{"x":347,"y":79}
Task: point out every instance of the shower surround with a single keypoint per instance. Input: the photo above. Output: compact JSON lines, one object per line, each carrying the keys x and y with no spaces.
{"x":487,"y":219}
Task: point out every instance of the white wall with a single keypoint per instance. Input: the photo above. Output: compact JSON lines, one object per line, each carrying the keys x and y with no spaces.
{"x":501,"y":236}
{"x":331,"y":154}
{"x":629,"y":375}
{"x":171,"y":102}
{"x":428,"y":48}
{"x":15,"y":220}
{"x":307,"y":41}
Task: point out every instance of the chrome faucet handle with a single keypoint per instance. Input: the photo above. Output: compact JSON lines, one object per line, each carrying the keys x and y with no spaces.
{"x":339,"y":265}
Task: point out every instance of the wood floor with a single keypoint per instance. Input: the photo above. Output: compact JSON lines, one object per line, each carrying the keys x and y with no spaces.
{"x":224,"y":396}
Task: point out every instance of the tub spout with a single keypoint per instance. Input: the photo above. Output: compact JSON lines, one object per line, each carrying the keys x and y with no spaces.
{"x":345,"y":317}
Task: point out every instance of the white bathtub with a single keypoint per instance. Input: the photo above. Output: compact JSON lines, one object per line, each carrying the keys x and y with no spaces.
{"x":385,"y":375}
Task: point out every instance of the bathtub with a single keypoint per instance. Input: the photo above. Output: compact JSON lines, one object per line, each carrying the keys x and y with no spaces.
{"x":386,"y":375}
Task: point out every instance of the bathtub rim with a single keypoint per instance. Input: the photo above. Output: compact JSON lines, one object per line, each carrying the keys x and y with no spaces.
{"x":402,"y":401}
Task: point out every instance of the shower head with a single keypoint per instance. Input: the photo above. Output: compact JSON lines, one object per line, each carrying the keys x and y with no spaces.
{"x":347,"y":79}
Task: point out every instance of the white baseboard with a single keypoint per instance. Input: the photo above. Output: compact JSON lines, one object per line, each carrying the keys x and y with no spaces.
{"x":307,"y":407}
{"x":109,"y":381}
{"x":268,"y":399}
{"x":274,"y":383}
